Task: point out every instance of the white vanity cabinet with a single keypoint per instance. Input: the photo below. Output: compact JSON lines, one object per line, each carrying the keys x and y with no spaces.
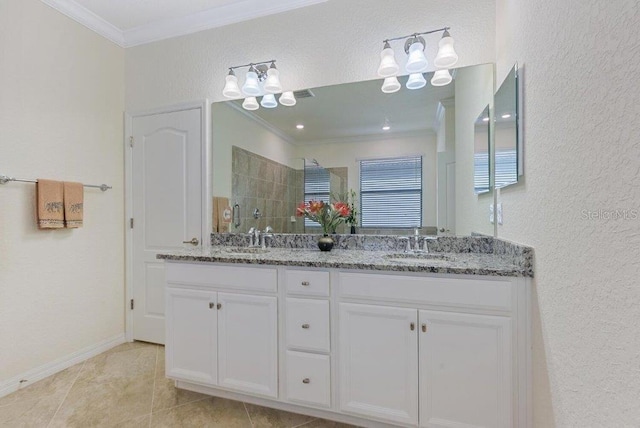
{"x":226,"y":339}
{"x":370,"y":348}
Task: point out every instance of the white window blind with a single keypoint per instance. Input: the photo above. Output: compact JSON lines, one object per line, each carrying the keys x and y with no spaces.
{"x":481,"y":172}
{"x":506,"y":167}
{"x":391,"y":192}
{"x":316,"y":187}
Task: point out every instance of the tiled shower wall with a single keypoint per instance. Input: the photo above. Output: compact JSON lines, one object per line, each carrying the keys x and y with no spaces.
{"x":275,"y":189}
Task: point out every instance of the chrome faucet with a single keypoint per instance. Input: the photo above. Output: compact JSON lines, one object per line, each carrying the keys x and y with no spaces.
{"x":407,"y":239}
{"x":254,"y":237}
{"x":425,"y":240}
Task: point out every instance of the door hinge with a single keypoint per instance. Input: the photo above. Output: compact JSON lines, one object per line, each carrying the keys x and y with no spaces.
{"x":132,"y":304}
{"x":131,"y":141}
{"x":131,"y":223}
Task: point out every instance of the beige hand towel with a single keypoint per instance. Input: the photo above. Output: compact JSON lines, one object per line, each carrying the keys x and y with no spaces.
{"x":49,"y":196}
{"x":73,"y":204}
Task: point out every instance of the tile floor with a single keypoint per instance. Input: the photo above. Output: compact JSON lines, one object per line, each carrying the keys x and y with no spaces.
{"x":126,"y":387}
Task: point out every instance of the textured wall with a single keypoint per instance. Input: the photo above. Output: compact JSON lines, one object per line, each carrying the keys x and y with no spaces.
{"x":60,"y":117}
{"x":582,"y":152}
{"x":325,"y":44}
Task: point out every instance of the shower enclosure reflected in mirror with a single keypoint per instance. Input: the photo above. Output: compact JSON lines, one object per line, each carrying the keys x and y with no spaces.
{"x":481,"y":152}
{"x":507,"y":132}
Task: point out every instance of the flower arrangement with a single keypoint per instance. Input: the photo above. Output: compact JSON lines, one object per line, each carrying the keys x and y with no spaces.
{"x":328,"y":215}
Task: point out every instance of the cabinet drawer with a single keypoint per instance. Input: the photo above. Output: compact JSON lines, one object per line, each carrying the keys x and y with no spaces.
{"x":460,"y":292}
{"x":307,"y":324}
{"x":231,"y":277}
{"x":308,"y":282}
{"x":308,"y":378}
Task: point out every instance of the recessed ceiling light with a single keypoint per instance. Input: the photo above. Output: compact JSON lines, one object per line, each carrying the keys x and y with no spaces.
{"x":485,"y":119}
{"x":506,"y":116}
{"x":386,"y":128}
{"x":300,"y":126}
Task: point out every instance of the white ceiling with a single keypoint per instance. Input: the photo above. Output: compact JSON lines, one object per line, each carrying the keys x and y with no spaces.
{"x":355,"y":111}
{"x":135,"y":22}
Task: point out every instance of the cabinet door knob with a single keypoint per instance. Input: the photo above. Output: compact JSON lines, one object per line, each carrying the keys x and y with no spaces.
{"x":219,"y":306}
{"x":211,"y":305}
{"x":412,"y":326}
{"x":305,"y":325}
{"x":424,"y":328}
{"x":306,"y":380}
{"x":305,"y":283}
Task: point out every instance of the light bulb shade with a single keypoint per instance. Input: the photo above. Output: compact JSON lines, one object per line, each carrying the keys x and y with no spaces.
{"x":251,"y":85}
{"x":388,"y":65}
{"x":250,"y":103}
{"x":391,"y":85}
{"x":272,"y":84}
{"x":288,"y":99}
{"x":417,"y":62}
{"x":231,"y":88}
{"x":269,"y":101}
{"x":441,"y":78}
{"x":446,"y":56}
{"x":416,"y":81}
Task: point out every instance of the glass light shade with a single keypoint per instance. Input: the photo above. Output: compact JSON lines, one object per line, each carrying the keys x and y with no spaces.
{"x":269,"y":101}
{"x":441,"y":78}
{"x":417,"y":62}
{"x":288,"y":99}
{"x":272,"y":84}
{"x":250,"y":103}
{"x":251,"y":85}
{"x":231,"y":88}
{"x":391,"y":85}
{"x":416,"y":81}
{"x":447,"y":56}
{"x":388,"y":65}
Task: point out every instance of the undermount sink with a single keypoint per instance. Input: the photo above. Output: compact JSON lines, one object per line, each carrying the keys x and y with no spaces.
{"x":245,"y":250}
{"x":417,"y":257}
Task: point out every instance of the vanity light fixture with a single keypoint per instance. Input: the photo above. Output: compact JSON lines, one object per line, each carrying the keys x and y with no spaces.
{"x":261,"y":79}
{"x":417,"y":63}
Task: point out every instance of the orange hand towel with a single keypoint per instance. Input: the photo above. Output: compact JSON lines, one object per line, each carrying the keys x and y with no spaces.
{"x":73,"y":204}
{"x":49,"y":195}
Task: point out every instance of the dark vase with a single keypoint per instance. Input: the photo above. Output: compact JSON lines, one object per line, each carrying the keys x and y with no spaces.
{"x":353,"y":229}
{"x":325,"y":243}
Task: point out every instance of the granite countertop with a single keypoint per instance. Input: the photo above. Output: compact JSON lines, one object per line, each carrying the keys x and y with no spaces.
{"x":469,"y":263}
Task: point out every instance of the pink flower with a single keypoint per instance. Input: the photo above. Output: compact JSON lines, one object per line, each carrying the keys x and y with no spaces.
{"x":342,"y":209}
{"x":315,"y":207}
{"x":301,"y":210}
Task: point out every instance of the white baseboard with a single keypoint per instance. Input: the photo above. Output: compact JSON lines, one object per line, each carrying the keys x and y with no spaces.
{"x":38,"y":373}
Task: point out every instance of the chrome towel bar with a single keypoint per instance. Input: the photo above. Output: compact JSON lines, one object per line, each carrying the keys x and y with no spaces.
{"x":4,"y":179}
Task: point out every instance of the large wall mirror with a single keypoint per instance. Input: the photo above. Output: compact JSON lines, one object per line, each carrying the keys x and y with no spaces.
{"x":418,"y":144}
{"x":508,"y":132}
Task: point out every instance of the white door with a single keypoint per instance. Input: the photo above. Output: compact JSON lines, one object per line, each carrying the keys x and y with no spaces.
{"x":248,"y":343}
{"x":166,"y":196}
{"x":379,"y":362}
{"x":192,"y":331}
{"x":465,"y":370}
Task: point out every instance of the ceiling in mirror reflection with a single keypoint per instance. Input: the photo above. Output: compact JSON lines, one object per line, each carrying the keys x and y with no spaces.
{"x":351,"y":110}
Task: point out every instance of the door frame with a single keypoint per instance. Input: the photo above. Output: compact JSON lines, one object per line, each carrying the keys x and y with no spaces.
{"x":205,"y":154}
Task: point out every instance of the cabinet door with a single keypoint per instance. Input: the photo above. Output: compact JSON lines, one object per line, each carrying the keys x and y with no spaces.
{"x":191,"y":327}
{"x":465,"y":370}
{"x":379,"y":362}
{"x":248,"y":343}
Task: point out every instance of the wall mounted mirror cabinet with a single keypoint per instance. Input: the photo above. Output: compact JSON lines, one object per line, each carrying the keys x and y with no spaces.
{"x":508,"y":131}
{"x":259,"y":156}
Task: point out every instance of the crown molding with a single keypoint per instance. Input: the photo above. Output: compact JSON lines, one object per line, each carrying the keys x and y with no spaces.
{"x":368,"y":138}
{"x":179,"y":26}
{"x":260,"y":121}
{"x":87,"y":18}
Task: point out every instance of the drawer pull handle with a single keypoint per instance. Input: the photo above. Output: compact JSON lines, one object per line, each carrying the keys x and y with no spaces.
{"x":305,"y":325}
{"x":412,"y":326}
{"x":424,"y":328}
{"x":305,"y":283}
{"x":306,"y":380}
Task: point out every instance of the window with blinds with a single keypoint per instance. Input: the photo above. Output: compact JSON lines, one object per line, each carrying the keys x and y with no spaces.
{"x":391,"y":192}
{"x":316,"y":187}
{"x":506,"y":167}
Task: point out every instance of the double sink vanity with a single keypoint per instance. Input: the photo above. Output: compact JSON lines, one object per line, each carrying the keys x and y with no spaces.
{"x":366,"y":334}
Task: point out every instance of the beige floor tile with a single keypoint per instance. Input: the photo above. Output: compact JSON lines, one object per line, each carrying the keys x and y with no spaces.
{"x":105,"y":403}
{"x":166,"y":395}
{"x":128,"y":346}
{"x":142,"y":421}
{"x":209,"y":413}
{"x":30,"y":412}
{"x":55,"y":384}
{"x":136,"y":362}
{"x":264,"y":417}
{"x":322,"y":423}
